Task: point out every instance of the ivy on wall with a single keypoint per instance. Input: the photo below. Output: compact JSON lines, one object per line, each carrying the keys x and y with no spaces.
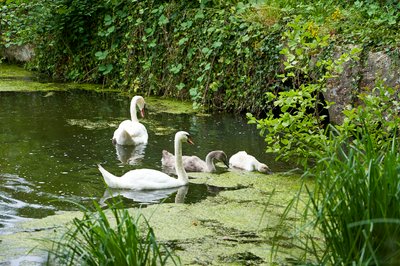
{"x":215,"y":56}
{"x":222,"y":55}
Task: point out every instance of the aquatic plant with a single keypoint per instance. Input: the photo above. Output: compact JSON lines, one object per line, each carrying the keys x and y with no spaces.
{"x":357,"y":202}
{"x":111,"y":237}
{"x":352,"y":216}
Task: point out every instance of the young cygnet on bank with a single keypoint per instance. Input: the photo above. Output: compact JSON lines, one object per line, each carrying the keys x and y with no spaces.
{"x":244,"y":161}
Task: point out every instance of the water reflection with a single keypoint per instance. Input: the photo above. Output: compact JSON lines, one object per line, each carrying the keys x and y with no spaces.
{"x":131,"y":154}
{"x":146,"y":196}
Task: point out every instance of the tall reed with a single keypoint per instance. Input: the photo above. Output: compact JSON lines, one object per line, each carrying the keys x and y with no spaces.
{"x":354,"y":205}
{"x":356,"y":202}
{"x":116,"y":239}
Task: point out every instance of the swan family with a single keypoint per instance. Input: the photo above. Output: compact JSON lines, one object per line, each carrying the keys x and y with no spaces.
{"x":132,"y":132}
{"x":148,"y":179}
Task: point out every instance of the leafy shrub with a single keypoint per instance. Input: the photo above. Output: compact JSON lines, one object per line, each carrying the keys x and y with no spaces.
{"x":296,"y":121}
{"x":352,"y":211}
{"x":214,"y":52}
{"x":355,"y":165}
{"x":15,"y":23}
{"x":214,"y":56}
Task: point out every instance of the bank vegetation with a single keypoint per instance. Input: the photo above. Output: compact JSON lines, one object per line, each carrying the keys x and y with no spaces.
{"x":272,"y":59}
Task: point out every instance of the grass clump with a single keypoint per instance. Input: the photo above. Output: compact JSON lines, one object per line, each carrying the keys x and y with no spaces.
{"x":115,"y":238}
{"x":356,"y":203}
{"x":352,"y":214}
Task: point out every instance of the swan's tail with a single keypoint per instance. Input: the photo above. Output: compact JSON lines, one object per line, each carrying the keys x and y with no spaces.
{"x":108,"y":177}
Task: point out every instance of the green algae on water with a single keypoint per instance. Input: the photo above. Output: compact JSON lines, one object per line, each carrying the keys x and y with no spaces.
{"x":171,"y":106}
{"x":15,"y":78}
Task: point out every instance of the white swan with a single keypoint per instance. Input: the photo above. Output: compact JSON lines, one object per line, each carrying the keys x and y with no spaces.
{"x":247,"y":162}
{"x":194,"y":163}
{"x":131,"y":132}
{"x":149,"y":179}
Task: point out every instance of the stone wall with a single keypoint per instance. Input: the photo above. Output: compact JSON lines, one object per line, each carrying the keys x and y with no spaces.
{"x":359,"y":77}
{"x":23,"y":53}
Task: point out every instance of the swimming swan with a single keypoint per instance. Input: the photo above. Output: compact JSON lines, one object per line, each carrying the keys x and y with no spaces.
{"x":194,"y":163}
{"x":247,"y":162}
{"x":149,"y":179}
{"x":131,"y":132}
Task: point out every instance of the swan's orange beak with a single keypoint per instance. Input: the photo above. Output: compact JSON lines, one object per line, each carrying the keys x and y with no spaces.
{"x":142,"y":112}
{"x":190,"y":141}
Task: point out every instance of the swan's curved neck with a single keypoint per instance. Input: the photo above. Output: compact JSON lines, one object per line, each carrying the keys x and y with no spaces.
{"x":210,"y":163}
{"x":180,"y":170}
{"x":133,"y":111}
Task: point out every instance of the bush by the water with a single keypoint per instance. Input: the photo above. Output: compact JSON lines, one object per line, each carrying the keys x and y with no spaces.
{"x":271,"y":58}
{"x":223,"y":55}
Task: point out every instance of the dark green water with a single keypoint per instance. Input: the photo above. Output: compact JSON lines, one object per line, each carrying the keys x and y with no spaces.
{"x":50,"y":145}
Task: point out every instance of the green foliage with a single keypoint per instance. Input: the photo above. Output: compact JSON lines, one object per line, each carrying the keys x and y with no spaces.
{"x":355,"y":164}
{"x":369,"y":22}
{"x":214,"y":56}
{"x":14,"y":23}
{"x":378,"y":113}
{"x":100,"y":239}
{"x":355,"y":202}
{"x":214,"y":52}
{"x":295,"y":123}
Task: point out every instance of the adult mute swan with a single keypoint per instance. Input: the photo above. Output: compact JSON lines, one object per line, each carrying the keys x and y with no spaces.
{"x":131,"y":132}
{"x":194,"y":163}
{"x":149,"y":179}
{"x":247,"y":162}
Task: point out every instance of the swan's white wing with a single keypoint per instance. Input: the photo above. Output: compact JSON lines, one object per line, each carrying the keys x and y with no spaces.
{"x":121,"y":135}
{"x":239,"y":160}
{"x":130,"y":133}
{"x":142,"y":179}
{"x":137,"y":131}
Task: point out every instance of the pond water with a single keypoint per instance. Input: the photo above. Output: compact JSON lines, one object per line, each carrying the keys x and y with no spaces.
{"x":50,"y":144}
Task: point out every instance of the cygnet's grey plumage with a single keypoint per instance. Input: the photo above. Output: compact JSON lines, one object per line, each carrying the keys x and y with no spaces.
{"x":194,"y":163}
